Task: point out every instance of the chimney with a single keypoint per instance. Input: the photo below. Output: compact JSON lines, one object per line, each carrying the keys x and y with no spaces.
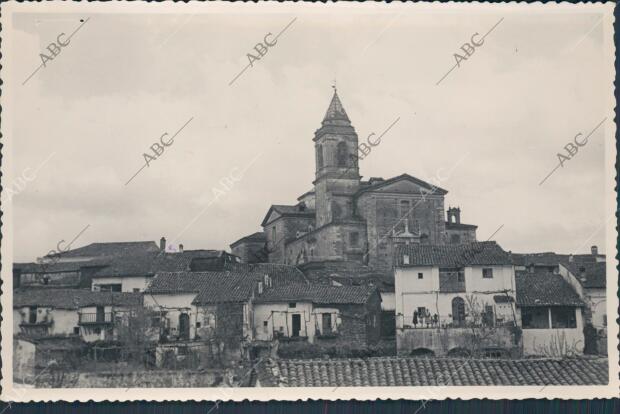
{"x":180,"y":248}
{"x":570,"y":258}
{"x":594,"y":250}
{"x":162,"y":244}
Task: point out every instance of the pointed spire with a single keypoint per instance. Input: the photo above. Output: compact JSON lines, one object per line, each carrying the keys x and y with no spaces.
{"x":335,"y":112}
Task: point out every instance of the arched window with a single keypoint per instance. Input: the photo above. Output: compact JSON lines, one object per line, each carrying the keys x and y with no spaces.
{"x":341,"y":154}
{"x":319,"y":154}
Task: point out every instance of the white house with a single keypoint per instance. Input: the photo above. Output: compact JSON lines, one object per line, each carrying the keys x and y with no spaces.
{"x":318,"y":312}
{"x":191,"y":304}
{"x":450,"y":295}
{"x":551,"y":314}
{"x":588,"y":279}
{"x":92,"y":316}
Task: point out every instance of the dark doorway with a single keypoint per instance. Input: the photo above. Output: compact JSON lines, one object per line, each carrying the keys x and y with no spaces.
{"x":388,"y":324}
{"x":296,"y":320}
{"x":458,"y":311}
{"x":32,"y":314}
{"x":327,"y":323}
{"x":100,"y":314}
{"x":184,"y":326}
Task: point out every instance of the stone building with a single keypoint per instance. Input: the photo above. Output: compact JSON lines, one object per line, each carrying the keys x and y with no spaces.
{"x":346,"y":218}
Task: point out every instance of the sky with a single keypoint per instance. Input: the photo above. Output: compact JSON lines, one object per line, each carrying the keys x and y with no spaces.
{"x":488,"y":133}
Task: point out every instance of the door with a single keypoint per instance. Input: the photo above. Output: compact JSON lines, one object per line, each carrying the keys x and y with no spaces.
{"x":296,"y":319}
{"x":458,"y":311}
{"x":184,"y":326}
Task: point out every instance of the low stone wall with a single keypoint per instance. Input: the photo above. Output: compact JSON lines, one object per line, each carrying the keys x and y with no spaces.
{"x":443,"y":340}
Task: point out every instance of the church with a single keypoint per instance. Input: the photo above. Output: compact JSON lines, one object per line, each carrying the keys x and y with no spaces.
{"x":344,"y":218}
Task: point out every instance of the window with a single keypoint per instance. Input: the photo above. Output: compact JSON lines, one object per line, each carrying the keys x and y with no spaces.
{"x":111,"y":287}
{"x":198,"y":324}
{"x":535,"y":318}
{"x":273,"y":236}
{"x":265,"y":326}
{"x":292,"y":305}
{"x":319,"y":156}
{"x":563,"y":318}
{"x":354,"y":239}
{"x":32,"y":314}
{"x":76,"y":330}
{"x":460,"y":277}
{"x":487,"y":273}
{"x":136,"y":290}
{"x":420,"y":275}
{"x":421,"y":310}
{"x":342,"y":154}
{"x":604,"y":319}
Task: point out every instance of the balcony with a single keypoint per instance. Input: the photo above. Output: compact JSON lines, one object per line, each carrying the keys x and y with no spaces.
{"x":451,"y":281}
{"x":95,"y":318}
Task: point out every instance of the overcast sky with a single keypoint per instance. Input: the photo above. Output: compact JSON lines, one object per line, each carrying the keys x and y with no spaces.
{"x":497,"y":121}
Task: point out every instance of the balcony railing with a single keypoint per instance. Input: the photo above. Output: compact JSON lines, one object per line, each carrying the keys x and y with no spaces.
{"x":95,"y":318}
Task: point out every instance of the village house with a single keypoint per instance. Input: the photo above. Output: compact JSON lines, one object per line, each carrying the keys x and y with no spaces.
{"x":318,"y":313}
{"x":116,"y":266}
{"x":586,"y":275}
{"x":134,"y":273}
{"x":455,"y":299}
{"x":588,"y":278}
{"x":91,"y":316}
{"x":551,"y":315}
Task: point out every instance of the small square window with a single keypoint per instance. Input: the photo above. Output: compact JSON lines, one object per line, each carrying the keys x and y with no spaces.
{"x":292,"y":305}
{"x":76,"y":330}
{"x":420,"y":275}
{"x":487,"y":273}
{"x":198,"y":324}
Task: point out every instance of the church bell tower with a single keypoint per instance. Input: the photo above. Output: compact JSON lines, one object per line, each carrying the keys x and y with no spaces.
{"x":337,"y":174}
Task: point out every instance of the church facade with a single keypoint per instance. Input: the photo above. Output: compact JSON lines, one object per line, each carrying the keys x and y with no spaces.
{"x":346,"y":218}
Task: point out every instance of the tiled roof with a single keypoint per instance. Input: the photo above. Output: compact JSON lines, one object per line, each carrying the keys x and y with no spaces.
{"x":259,"y":236}
{"x":280,"y":274}
{"x":395,"y":371}
{"x":210,"y":287}
{"x":52,"y":267}
{"x":317,"y":294}
{"x":112,"y":249}
{"x":544,"y":289}
{"x":594,"y":271}
{"x":379,"y":184}
{"x":285,"y":210}
{"x":594,"y":274}
{"x":147,"y":264}
{"x":454,"y":255}
{"x":72,"y":298}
